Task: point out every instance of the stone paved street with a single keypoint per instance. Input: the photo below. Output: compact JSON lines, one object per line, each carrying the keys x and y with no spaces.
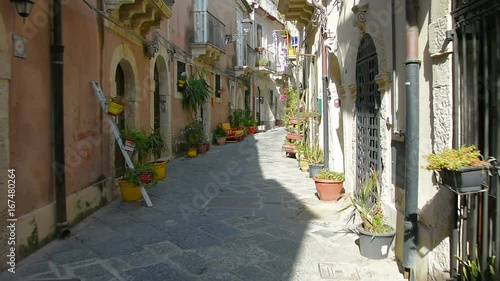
{"x":242,"y":211}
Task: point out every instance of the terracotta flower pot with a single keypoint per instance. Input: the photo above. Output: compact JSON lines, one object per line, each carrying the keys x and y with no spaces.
{"x":221,"y":141}
{"x":202,"y":148}
{"x":328,"y":190}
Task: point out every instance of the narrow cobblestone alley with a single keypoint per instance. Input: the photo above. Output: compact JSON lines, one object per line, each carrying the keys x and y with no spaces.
{"x":242,"y":211}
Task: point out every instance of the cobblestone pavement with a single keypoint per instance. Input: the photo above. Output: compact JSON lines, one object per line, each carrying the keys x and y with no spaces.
{"x":242,"y":211}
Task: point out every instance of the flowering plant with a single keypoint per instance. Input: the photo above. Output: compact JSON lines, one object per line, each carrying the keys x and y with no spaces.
{"x":282,"y":97}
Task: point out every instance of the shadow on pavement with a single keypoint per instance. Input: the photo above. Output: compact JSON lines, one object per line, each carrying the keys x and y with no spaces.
{"x":242,"y":211}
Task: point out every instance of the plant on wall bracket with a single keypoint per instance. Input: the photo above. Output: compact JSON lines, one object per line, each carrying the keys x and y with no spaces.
{"x":196,"y":93}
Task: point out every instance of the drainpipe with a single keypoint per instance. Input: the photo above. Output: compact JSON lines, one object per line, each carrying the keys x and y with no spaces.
{"x":57,"y":51}
{"x":394,"y":66}
{"x":412,"y":136}
{"x":324,"y":78}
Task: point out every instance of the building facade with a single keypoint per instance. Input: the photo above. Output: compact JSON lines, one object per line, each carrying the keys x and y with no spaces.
{"x":135,"y":49}
{"x":369,"y":122}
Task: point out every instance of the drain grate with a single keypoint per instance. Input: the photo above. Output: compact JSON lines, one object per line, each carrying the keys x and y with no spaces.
{"x":338,"y":271}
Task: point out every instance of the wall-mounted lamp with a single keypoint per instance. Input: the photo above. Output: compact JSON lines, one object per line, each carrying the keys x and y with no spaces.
{"x":23,"y":7}
{"x":163,"y":103}
{"x":247,"y":26}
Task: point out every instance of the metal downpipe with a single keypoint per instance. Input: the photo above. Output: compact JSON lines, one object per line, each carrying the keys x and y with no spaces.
{"x":57,"y":56}
{"x":412,"y":137}
{"x":324,"y":79}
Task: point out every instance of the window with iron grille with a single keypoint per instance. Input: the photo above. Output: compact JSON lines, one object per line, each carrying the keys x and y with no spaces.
{"x":217,"y":86}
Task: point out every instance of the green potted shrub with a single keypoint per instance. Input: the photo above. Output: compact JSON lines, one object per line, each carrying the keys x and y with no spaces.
{"x":263,"y":62}
{"x":302,"y":152}
{"x":473,"y":270}
{"x":290,"y":148}
{"x":375,"y":235}
{"x":156,"y":146}
{"x":329,"y":185}
{"x":250,"y":124}
{"x":143,"y":172}
{"x":196,"y":93}
{"x":461,"y":169}
{"x":220,"y":135}
{"x":315,"y":158}
{"x":194,"y":136}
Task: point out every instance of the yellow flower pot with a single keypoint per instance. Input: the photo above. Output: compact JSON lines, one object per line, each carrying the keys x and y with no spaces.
{"x":114,"y":108}
{"x":192,"y":152}
{"x":161,"y":169}
{"x":130,"y":191}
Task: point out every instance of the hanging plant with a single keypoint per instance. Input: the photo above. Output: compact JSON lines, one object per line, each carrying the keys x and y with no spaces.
{"x":196,"y":93}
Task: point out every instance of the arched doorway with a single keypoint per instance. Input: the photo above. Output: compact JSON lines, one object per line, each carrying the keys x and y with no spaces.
{"x":124,"y":85}
{"x":156,"y":99}
{"x":367,"y":109}
{"x":160,"y":102}
{"x":120,"y":121}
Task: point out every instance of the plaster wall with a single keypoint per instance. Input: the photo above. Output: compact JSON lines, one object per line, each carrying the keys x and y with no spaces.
{"x":435,"y":118}
{"x":435,"y":205}
{"x":5,"y":76}
{"x":29,"y":147}
{"x":182,"y":28}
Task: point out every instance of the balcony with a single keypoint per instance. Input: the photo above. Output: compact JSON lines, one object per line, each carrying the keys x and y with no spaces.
{"x":246,"y":62}
{"x":266,"y":62}
{"x":270,"y":8}
{"x":140,"y":15}
{"x":299,"y":10}
{"x":208,"y":43}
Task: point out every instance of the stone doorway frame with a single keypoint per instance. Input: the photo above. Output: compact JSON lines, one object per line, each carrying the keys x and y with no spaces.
{"x":123,"y":56}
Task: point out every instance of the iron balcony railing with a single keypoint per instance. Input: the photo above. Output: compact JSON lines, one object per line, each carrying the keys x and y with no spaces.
{"x":208,"y":29}
{"x":266,"y":59}
{"x":249,"y":57}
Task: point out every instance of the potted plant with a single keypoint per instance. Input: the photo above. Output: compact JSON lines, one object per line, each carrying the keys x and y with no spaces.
{"x":116,"y":105}
{"x":329,"y":185}
{"x":128,"y":136}
{"x":196,"y":93}
{"x":193,"y":134}
{"x":156,"y":146}
{"x":250,"y":124}
{"x":290,"y":148}
{"x":302,"y":151}
{"x":132,"y":180}
{"x":143,"y":173}
{"x":473,"y":270}
{"x":263,"y":62}
{"x":375,"y":235}
{"x":315,"y":158}
{"x":461,"y":169}
{"x":220,"y":135}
